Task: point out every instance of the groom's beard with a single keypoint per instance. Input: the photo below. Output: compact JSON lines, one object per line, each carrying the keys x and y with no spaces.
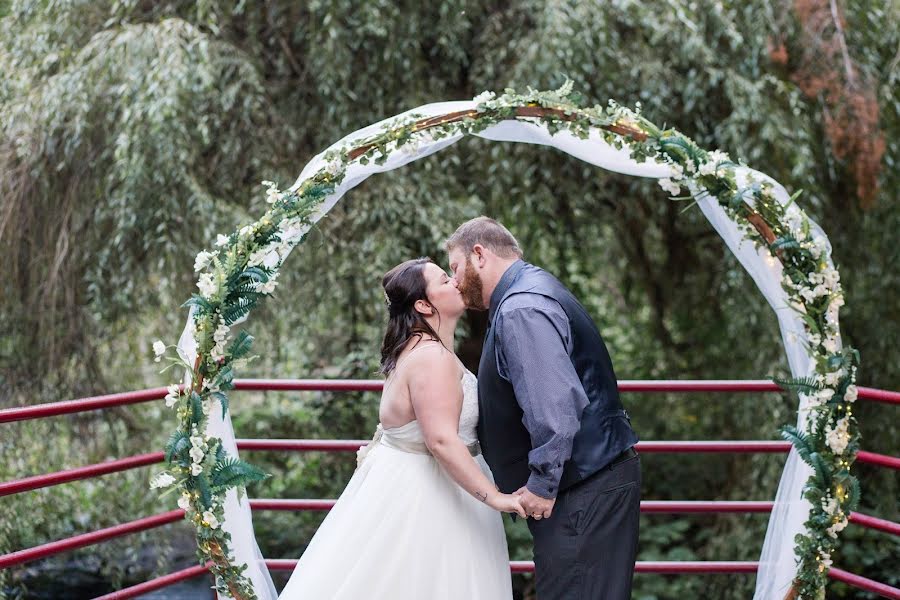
{"x":471,"y":289}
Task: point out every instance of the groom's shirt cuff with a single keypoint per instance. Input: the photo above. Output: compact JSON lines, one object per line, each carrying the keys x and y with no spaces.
{"x":533,"y":354}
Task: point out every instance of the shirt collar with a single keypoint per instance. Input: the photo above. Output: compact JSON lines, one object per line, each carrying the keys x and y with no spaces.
{"x":506,"y":280}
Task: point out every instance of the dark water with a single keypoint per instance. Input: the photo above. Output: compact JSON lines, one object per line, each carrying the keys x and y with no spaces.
{"x":198,"y":588}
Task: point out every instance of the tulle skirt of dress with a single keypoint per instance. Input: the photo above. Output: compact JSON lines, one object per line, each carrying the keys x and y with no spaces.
{"x":403,"y":530}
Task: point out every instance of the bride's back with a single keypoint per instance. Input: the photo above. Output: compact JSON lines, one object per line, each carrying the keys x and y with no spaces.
{"x":396,"y":407}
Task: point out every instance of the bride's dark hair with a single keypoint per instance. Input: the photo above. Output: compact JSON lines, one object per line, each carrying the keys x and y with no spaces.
{"x":403,"y":286}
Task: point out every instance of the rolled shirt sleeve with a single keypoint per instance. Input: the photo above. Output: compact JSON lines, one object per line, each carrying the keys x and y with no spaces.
{"x":533,"y":347}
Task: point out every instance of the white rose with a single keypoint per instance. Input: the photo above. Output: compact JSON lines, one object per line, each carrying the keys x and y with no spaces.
{"x":825,"y":394}
{"x":196,"y":469}
{"x":210,"y":518}
{"x":269,"y":286}
{"x":708,"y":168}
{"x":830,"y":344}
{"x":833,"y":377}
{"x":207,"y":285}
{"x":221,"y":240}
{"x":173,"y":394}
{"x":851,"y":394}
{"x":838,"y":437}
{"x":717,"y":156}
{"x":485,"y":96}
{"x":196,"y":455}
{"x":202,"y":261}
{"x":162,"y":480}
{"x":184,"y":502}
{"x":221,"y":333}
{"x":257,"y":258}
{"x":670,"y":186}
{"x":159,"y":348}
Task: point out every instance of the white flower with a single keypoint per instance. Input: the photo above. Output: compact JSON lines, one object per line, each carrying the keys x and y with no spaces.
{"x":162,"y":480}
{"x":207,"y":285}
{"x":670,"y":186}
{"x":838,"y":436}
{"x":833,"y":377}
{"x":272,"y":193}
{"x":851,"y":394}
{"x":485,"y":96}
{"x":221,"y":333}
{"x":184,"y":502}
{"x":825,"y":394}
{"x":196,"y":469}
{"x":196,"y":455}
{"x":811,"y":401}
{"x":830,"y":505}
{"x":159,"y":348}
{"x":831,"y":313}
{"x":818,"y":247}
{"x":221,"y":240}
{"x":257,"y":258}
{"x":197,"y":441}
{"x":830,"y":344}
{"x":708,"y":168}
{"x":202,"y":261}
{"x":269,"y":286}
{"x":333,"y":167}
{"x":210,"y":519}
{"x":676,"y":171}
{"x":837,"y":527}
{"x":173,"y":394}
{"x":717,"y":156}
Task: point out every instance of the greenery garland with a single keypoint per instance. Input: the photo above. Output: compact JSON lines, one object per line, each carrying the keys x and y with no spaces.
{"x":243,"y":269}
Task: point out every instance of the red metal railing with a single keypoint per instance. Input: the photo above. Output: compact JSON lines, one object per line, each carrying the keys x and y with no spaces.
{"x":113,"y":466}
{"x":98,"y":402}
{"x":52,"y":409}
{"x":283,"y":504}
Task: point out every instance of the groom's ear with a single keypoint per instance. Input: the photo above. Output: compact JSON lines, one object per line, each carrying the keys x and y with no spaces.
{"x":480,"y":255}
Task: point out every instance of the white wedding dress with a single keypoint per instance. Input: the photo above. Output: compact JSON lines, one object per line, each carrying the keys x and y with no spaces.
{"x":404,"y":530}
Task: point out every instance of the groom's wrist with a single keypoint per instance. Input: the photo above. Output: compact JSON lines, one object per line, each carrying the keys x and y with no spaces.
{"x":540,"y":486}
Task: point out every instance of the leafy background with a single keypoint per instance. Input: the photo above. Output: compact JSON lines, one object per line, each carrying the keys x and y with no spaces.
{"x":132,"y":132}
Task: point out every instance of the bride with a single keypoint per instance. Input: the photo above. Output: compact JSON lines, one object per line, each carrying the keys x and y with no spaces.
{"x":419,"y":518}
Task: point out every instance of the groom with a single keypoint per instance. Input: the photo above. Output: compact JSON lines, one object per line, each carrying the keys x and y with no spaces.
{"x":551,"y":425}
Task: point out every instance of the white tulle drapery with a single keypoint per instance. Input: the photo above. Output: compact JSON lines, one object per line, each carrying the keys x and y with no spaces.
{"x":777,"y":561}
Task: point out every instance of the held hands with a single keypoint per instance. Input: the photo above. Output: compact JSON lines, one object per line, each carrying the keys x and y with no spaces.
{"x":536,"y":507}
{"x":506,"y":503}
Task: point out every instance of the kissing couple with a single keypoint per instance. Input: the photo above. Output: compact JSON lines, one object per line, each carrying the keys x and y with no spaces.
{"x":540,"y":433}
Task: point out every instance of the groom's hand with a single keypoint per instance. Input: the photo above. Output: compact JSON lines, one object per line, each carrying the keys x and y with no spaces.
{"x":536,"y":507}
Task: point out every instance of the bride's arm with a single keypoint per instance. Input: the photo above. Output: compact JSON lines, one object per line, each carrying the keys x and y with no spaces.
{"x":436,"y":394}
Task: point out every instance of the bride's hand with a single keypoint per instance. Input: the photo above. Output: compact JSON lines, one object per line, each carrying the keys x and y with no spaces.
{"x":506,"y":503}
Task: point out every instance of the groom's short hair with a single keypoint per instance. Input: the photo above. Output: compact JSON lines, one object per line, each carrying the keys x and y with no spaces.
{"x":487,"y":232}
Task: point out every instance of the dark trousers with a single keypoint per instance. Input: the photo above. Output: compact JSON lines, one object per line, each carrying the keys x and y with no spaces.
{"x":587,"y":548}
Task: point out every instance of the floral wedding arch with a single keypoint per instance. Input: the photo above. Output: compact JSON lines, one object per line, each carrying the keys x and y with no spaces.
{"x":786,"y":254}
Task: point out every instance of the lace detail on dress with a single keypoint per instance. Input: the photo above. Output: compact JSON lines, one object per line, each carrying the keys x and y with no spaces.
{"x":468,"y":416}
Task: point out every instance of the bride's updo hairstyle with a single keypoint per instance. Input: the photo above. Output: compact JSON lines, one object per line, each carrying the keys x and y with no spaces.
{"x":403,"y":286}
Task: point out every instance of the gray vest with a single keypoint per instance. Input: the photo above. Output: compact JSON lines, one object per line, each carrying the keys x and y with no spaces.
{"x":605,"y":428}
